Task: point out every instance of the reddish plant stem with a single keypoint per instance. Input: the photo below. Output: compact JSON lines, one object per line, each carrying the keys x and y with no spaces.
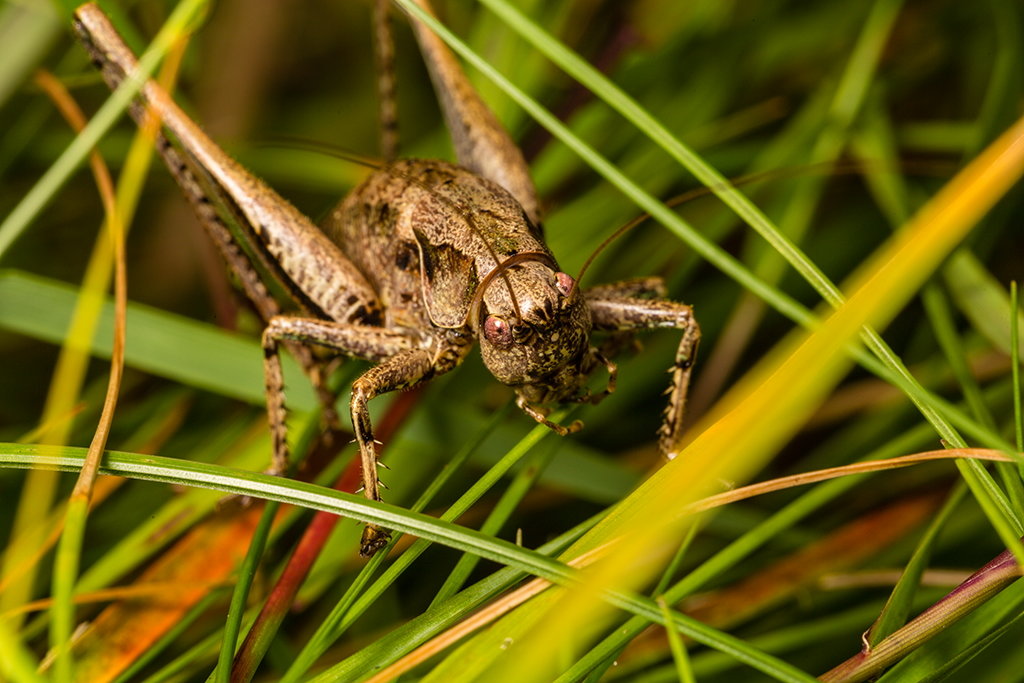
{"x":975,"y":590}
{"x":282,"y":595}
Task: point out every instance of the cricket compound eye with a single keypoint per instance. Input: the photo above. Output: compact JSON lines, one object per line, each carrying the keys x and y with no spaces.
{"x":498,"y":332}
{"x":564,"y":283}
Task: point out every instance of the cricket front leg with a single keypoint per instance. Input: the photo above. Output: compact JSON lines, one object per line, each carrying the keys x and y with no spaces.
{"x":403,"y":360}
{"x":398,"y":372}
{"x":624,"y":313}
{"x":359,"y":341}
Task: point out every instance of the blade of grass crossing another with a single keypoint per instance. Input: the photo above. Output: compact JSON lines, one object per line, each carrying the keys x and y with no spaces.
{"x":357,"y":599}
{"x":177,"y":24}
{"x":1018,"y":414}
{"x":682,"y":661}
{"x":304,"y":494}
{"x":510,"y":499}
{"x":989,"y":495}
{"x":758,"y":415}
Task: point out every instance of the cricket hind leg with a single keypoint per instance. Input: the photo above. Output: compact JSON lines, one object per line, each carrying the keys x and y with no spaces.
{"x":624,"y":313}
{"x":387,"y":99}
{"x":220,"y":192}
{"x":481,"y":143}
{"x":402,"y":361}
{"x":239,"y":263}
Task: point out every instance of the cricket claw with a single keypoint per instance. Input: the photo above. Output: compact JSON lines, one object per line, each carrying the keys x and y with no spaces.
{"x":374,"y":538}
{"x":563,"y":430}
{"x":573,"y":427}
{"x":539,"y":415}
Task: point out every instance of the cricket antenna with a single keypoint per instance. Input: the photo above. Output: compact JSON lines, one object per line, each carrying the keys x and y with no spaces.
{"x":499,"y":271}
{"x":833,"y":168}
{"x":316,"y":147}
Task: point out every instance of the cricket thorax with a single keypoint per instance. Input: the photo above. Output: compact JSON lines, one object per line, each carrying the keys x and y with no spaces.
{"x":426,"y":233}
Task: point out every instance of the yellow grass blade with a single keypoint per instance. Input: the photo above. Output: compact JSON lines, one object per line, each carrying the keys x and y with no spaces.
{"x":739,"y":435}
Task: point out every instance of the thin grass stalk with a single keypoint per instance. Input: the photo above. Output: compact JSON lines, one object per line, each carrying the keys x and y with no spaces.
{"x":1018,"y":414}
{"x":975,"y":591}
{"x":892,"y":368}
{"x":132,"y":673}
{"x":66,"y":384}
{"x":16,"y":661}
{"x":70,"y":546}
{"x":942,"y":321}
{"x":358,"y":598}
{"x":403,"y":648}
{"x":897,"y":608}
{"x":239,"y":596}
{"x":521,"y":484}
{"x":831,"y":138}
{"x":183,"y":15}
{"x":682,"y":661}
{"x":118,"y":214}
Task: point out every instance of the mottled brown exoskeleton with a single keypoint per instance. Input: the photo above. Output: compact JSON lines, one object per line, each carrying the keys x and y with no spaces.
{"x":414,"y":266}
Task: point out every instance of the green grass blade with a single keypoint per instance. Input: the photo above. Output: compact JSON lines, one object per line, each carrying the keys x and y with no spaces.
{"x":897,"y":607}
{"x":682,"y":661}
{"x":433,"y":621}
{"x":957,"y":637}
{"x":16,"y":661}
{"x":359,"y":598}
{"x":503,"y":509}
{"x":240,"y":595}
{"x":26,"y":31}
{"x":235,"y":482}
{"x":981,"y":299}
{"x":158,"y":342}
{"x":43,"y":191}
{"x":1018,"y":414}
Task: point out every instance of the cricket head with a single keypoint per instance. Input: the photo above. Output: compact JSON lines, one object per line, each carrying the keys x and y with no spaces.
{"x":534,"y":332}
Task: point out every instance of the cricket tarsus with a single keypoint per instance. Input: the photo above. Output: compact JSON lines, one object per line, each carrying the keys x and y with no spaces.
{"x":421,"y":261}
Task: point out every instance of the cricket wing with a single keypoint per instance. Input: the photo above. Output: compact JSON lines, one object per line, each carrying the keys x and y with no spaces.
{"x":449,"y":281}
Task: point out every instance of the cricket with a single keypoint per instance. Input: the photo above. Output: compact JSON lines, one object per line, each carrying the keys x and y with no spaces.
{"x":422,"y":261}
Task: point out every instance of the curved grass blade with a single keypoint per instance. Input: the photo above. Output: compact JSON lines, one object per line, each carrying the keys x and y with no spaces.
{"x":758,"y":415}
{"x":258,"y":485}
{"x":35,"y":201}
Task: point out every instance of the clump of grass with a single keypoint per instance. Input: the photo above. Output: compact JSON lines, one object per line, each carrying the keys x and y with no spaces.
{"x":839,"y":577}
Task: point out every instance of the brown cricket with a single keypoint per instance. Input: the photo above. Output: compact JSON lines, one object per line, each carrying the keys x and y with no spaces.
{"x":417,"y":263}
